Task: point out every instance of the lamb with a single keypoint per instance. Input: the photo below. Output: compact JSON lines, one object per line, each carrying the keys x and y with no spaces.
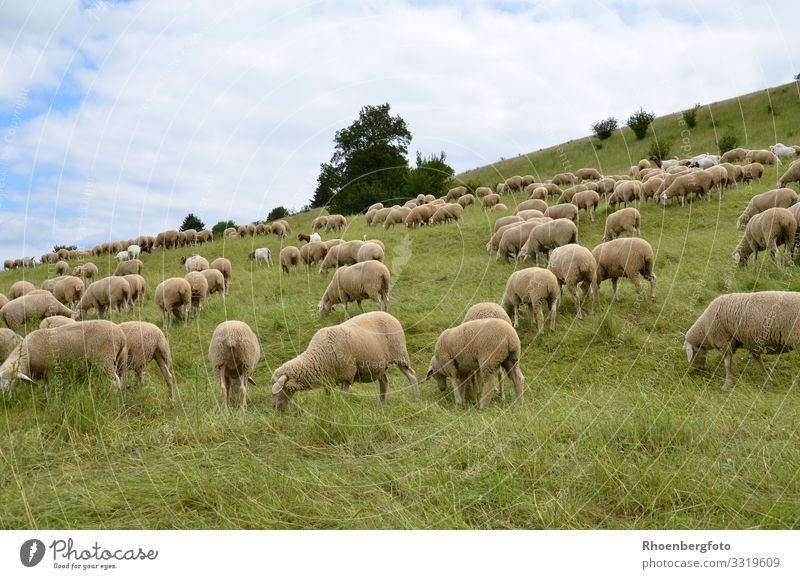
{"x":792,"y":175}
{"x":62,"y":267}
{"x":32,"y":308}
{"x":477,"y":348}
{"x":420,"y":216}
{"x":784,"y":197}
{"x":342,"y":254}
{"x":465,"y":200}
{"x":752,"y":171}
{"x":355,"y":283}
{"x":129,"y":267}
{"x":199,"y":286}
{"x":146,"y":342}
{"x":396,"y":216}
{"x":767,"y":230}
{"x":9,"y":340}
{"x":762,"y":322}
{"x":781,"y":150}
{"x":737,"y":154}
{"x":357,"y":350}
{"x":174,"y":299}
{"x":216,"y":282}
{"x":537,"y":204}
{"x":313,"y":253}
{"x":110,"y":292}
{"x":588,"y":200}
{"x":69,"y":290}
{"x":531,"y":286}
{"x":19,"y":289}
{"x":262,"y":255}
{"x":120,"y":257}
{"x":55,"y":322}
{"x":574,"y":266}
{"x":762,"y":156}
{"x":588,"y":174}
{"x":224,"y":265}
{"x":455,"y":193}
{"x":290,"y":258}
{"x":629,"y":257}
{"x":490,"y":200}
{"x":234,"y":353}
{"x":370,"y":250}
{"x":627,"y":219}
{"x":548,"y":236}
{"x":98,"y":343}
{"x":698,"y":182}
{"x":563,"y":211}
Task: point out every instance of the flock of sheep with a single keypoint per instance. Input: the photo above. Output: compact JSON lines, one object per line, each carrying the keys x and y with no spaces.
{"x":484,"y":346}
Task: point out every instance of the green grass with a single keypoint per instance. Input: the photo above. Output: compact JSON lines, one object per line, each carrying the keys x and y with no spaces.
{"x":615,"y":432}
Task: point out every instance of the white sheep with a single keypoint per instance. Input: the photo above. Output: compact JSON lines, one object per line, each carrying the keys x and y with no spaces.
{"x":574,"y":266}
{"x":766,"y":231}
{"x":146,"y":342}
{"x":195,"y":263}
{"x":31,"y":309}
{"x":262,"y":255}
{"x":629,"y":257}
{"x":783,"y":197}
{"x":110,"y":292}
{"x":174,"y":299}
{"x":134,"y":251}
{"x":355,"y":283}
{"x":234,"y":353}
{"x":532,"y":286}
{"x":627,"y":219}
{"x":122,"y":256}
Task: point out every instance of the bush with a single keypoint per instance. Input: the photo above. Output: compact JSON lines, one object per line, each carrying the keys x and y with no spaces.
{"x":67,"y":247}
{"x":728,"y":141}
{"x":222,"y":226}
{"x":690,"y":116}
{"x":278,"y":213}
{"x":604,"y":129}
{"x":640,"y":121}
{"x":659,"y":148}
{"x":191,"y":221}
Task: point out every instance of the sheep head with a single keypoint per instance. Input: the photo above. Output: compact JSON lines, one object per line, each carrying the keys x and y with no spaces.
{"x":694,"y":354}
{"x":16,"y":367}
{"x":281,"y":394}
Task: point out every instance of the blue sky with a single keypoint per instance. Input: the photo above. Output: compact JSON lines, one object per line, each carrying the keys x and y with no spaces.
{"x":119,"y":118}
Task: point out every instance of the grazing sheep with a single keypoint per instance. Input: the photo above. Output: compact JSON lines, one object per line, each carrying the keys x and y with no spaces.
{"x":508,"y":220}
{"x":8,"y":264}
{"x":146,"y":342}
{"x":370,"y":251}
{"x":357,"y":350}
{"x":792,"y":175}
{"x":49,"y":285}
{"x":69,"y":290}
{"x":588,"y":200}
{"x":784,"y":197}
{"x":719,"y":176}
{"x":490,"y":200}
{"x":279,"y":229}
{"x":477,"y":348}
{"x":55,"y":322}
{"x":230,"y":233}
{"x":381,"y":215}
{"x":767,"y":230}
{"x":31,"y":309}
{"x":313,"y":253}
{"x":3,"y":300}
{"x":663,"y":163}
{"x":629,"y":257}
{"x":547,"y":236}
{"x":626,"y":192}
{"x":97,"y":343}
{"x":174,"y":299}
{"x":513,"y":238}
{"x":395,"y":217}
{"x":319,"y":222}
{"x":19,"y":289}
{"x":112,"y":292}
{"x":62,"y":267}
{"x":224,"y":265}
{"x":306,"y":238}
{"x":697,"y":182}
{"x":216,"y":282}
{"x":539,"y":192}
{"x":465,"y":200}
{"x":482,"y":192}
{"x":167,"y":240}
{"x":564,"y":179}
{"x":120,"y":257}
{"x":574,"y":266}
{"x":355,"y":283}
{"x":335,"y":222}
{"x":194,"y":262}
{"x":499,"y":208}
{"x":342,"y":254}
{"x":87,"y":271}
{"x":527,"y":205}
{"x":486,"y":310}
{"x":751,"y":172}
{"x":9,"y":340}
{"x":455,"y":193}
{"x":782,"y":150}
{"x":134,"y":251}
{"x":737,"y":154}
{"x":627,"y":219}
{"x":494,"y":242}
{"x":531,"y":286}
{"x":563,"y":211}
{"x":129,"y":267}
{"x":199,"y":286}
{"x":588,"y":174}
{"x":762,"y":156}
{"x":262,"y":255}
{"x":527,"y":214}
{"x":420,"y":215}
{"x":234,"y":353}
{"x":514,"y":184}
{"x":567,"y":195}
{"x":375,"y":206}
{"x":290,"y":258}
{"x":762,"y":322}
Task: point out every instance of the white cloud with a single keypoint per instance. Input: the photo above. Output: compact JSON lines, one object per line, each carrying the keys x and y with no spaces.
{"x":228,"y":109}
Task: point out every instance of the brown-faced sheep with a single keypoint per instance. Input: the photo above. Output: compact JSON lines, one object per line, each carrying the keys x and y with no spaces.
{"x":629,"y":257}
{"x":234,"y":353}
{"x":766,"y":231}
{"x":753,"y":171}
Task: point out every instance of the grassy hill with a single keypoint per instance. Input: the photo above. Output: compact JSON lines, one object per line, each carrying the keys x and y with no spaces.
{"x":615,"y":432}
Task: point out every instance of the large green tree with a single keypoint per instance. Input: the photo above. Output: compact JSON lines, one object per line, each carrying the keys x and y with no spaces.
{"x":191,"y":221}
{"x":369,"y":163}
{"x":430,"y":175}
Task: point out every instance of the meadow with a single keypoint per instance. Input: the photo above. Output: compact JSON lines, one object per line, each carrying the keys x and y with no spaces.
{"x":615,"y":431}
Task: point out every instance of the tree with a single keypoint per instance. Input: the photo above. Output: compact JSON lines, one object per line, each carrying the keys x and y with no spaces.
{"x":222,"y":226}
{"x":278,"y":213}
{"x":640,"y":121}
{"x":690,"y":116}
{"x":430,"y":175}
{"x":604,"y":129}
{"x":369,"y":162}
{"x":191,"y":221}
{"x":67,"y":247}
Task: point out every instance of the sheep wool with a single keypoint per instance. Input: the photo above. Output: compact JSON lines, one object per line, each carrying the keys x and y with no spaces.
{"x":629,"y":257}
{"x":574,"y":266}
{"x":146,"y":342}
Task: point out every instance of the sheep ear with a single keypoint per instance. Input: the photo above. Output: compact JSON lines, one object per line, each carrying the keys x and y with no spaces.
{"x":251,"y":381}
{"x":430,"y":373}
{"x":689,"y":349}
{"x":24,"y":378}
{"x":277,"y":387}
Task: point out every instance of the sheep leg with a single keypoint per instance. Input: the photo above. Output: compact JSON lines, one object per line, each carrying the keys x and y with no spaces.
{"x":539,"y":319}
{"x":636,"y":279}
{"x":651,"y":278}
{"x":516,"y":315}
{"x":242,"y":393}
{"x":412,"y":377}
{"x":776,"y":254}
{"x":458,"y":391}
{"x":760,"y":364}
{"x":513,"y":371}
{"x":383,"y":383}
{"x":573,"y":289}
{"x":728,"y":357}
{"x":223,"y":382}
{"x":488,"y":389}
{"x":163,"y":365}
{"x":360,"y":307}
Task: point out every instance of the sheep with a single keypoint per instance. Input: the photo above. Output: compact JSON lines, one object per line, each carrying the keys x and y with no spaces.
{"x":290,"y":258}
{"x":375,"y":206}
{"x":332,"y":242}
{"x":87,"y":271}
{"x":174,"y":299}
{"x":62,"y":267}
{"x":627,"y":219}
{"x":704,"y":161}
{"x":17,"y":263}
{"x":370,"y":251}
{"x":663,"y":163}
{"x":366,"y":280}
{"x":216,"y":282}
{"x":285,"y":225}
{"x":781,"y":150}
{"x":380,"y":215}
{"x":49,"y":257}
{"x":467,"y":199}
{"x":629,"y":257}
{"x":514,"y":184}
{"x":279,"y":229}
{"x":643,"y":164}
{"x":547,"y":236}
{"x":120,"y":257}
{"x":626,"y":192}
{"x":527,"y":214}
{"x":8,"y":264}
{"x":224,"y":265}
{"x":9,"y":340}
{"x":55,"y":322}
{"x":69,"y":290}
{"x":762,"y":322}
{"x":3,"y":300}
{"x":490,"y":200}
{"x":605,"y":186}
{"x":762,"y":156}
{"x":203,"y":236}
{"x":784,"y":197}
{"x":537,"y":204}
{"x":314,"y":237}
{"x":129,"y":267}
{"x":234,"y":353}
{"x":32,"y":308}
{"x":146,"y":342}
{"x":574,"y":266}
{"x":319,"y":222}
{"x":767,"y":230}
{"x":242,"y":230}
{"x":531,"y":286}
{"x":482,"y":192}
{"x":567,"y":195}
{"x":357,"y":350}
{"x":508,"y":220}
{"x":194,"y":262}
{"x":697,"y":182}
{"x":486,"y":310}
{"x":719,"y":176}
{"x":564,"y":179}
{"x":230,"y":233}
{"x":563,"y":211}
{"x":313,"y":253}
{"x":792,"y":175}
{"x":135,"y":251}
{"x":588,"y":174}
{"x":588,"y":200}
{"x":455,"y":193}
{"x":752,"y":171}
{"x":199,"y":287}
{"x":98,"y":343}
{"x":342,"y":254}
{"x":737,"y":154}
{"x":477,"y":348}
{"x":494,"y":242}
{"x":167,"y":239}
{"x":538,"y":193}
{"x":49,"y":285}
{"x":261,"y":255}
{"x":112,"y":292}
{"x":19,"y":289}
{"x":499,"y":208}
{"x":395,"y":217}
{"x":419,"y":216}
{"x":513,"y":238}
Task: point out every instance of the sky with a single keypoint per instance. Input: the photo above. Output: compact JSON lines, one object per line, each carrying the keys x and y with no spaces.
{"x":119,"y":118}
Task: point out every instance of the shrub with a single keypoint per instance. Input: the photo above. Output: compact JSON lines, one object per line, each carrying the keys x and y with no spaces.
{"x":222,"y":226}
{"x":191,"y":221}
{"x":67,"y":247}
{"x":278,"y":213}
{"x":728,"y":141}
{"x":690,"y":116}
{"x":604,"y":129}
{"x":659,"y":147}
{"x":640,"y":121}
